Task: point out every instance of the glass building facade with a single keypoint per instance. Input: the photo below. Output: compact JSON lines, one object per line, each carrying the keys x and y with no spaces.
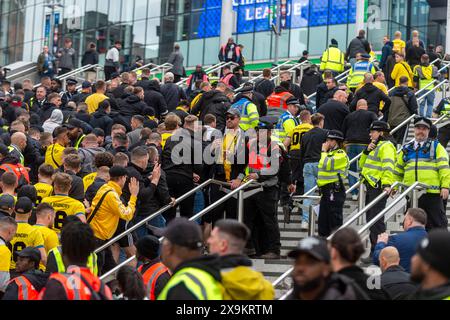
{"x":149,"y":28}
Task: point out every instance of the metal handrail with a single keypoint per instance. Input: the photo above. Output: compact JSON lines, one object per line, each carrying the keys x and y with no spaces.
{"x":72,"y":73}
{"x":271,"y":70}
{"x":152,"y":216}
{"x":195,"y":217}
{"x":210,"y":69}
{"x":294,"y":67}
{"x":344,"y":76}
{"x":19,"y":74}
{"x":432,"y":90}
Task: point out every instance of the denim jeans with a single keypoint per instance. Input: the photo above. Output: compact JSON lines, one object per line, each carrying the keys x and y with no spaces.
{"x":142,"y":231}
{"x":310,"y":173}
{"x":352,"y":151}
{"x":199,"y":204}
{"x":427,"y":104}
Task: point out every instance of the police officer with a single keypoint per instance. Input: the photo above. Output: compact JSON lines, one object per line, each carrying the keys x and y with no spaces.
{"x":426,"y":161}
{"x":333,"y":169}
{"x":66,"y":96}
{"x":247,"y":109}
{"x":332,"y":59}
{"x":268,"y":167}
{"x":444,"y":132}
{"x":359,"y":69}
{"x":378,"y":163}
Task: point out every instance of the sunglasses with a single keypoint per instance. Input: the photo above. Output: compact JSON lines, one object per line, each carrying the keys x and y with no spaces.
{"x":231,"y":118}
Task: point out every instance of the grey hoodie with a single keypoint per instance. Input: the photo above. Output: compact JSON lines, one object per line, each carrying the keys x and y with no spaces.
{"x":56,"y":120}
{"x":87,"y":156}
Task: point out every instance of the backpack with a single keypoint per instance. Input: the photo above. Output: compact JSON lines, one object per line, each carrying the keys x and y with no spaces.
{"x":398,"y":110}
{"x":23,"y":178}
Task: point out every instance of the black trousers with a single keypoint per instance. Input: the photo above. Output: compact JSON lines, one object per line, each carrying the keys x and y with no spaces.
{"x":380,"y":226}
{"x":64,"y":71}
{"x":105,"y":259}
{"x":108,"y":72}
{"x":444,"y":135}
{"x":433,"y":205}
{"x":229,"y":207}
{"x":260,"y":216}
{"x":178,"y":186}
{"x":331,"y":209}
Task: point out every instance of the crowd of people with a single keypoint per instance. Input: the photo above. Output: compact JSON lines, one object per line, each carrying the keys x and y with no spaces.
{"x":81,"y":167}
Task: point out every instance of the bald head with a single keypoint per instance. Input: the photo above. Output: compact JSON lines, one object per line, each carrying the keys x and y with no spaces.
{"x":19,"y":139}
{"x":389,"y":257}
{"x":368,"y":78}
{"x":362,"y":105}
{"x":340,"y":96}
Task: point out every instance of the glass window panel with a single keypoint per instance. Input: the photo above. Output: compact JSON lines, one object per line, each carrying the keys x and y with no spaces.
{"x":283,"y":45}
{"x":198,"y":4}
{"x":211,"y":21}
{"x":139,"y":28}
{"x":152,"y":35}
{"x":317,"y":40}
{"x":260,"y":15}
{"x":91,"y":5}
{"x":339,"y":33}
{"x":247,"y":41}
{"x":182,"y":27}
{"x":262,"y":45}
{"x":245,"y":20}
{"x":127,"y":10}
{"x":195,"y":52}
{"x":352,"y":11}
{"x":299,"y":42}
{"x":299,"y":13}
{"x":151,"y":51}
{"x":213,"y":3}
{"x":197,"y":25}
{"x":375,"y":36}
{"x":154,"y":8}
{"x":114,"y":11}
{"x":318,"y":12}
{"x":338,"y":11}
{"x":211,"y":50}
{"x":140,"y":9}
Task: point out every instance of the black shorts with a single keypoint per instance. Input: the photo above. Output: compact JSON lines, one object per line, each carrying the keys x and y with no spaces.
{"x":129,"y":239}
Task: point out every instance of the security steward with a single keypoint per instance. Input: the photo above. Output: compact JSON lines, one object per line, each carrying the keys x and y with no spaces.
{"x":154,"y":272}
{"x":378,"y":164}
{"x":268,"y":166}
{"x":30,"y":279}
{"x":69,"y":94}
{"x":333,"y":169}
{"x":75,"y":134}
{"x":443,"y":109}
{"x":426,"y":161}
{"x":246,"y":107}
{"x":359,"y":69}
{"x":333,"y":59}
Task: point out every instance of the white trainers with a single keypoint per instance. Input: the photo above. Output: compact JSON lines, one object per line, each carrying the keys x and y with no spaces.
{"x":354,"y":197}
{"x":304,"y":226}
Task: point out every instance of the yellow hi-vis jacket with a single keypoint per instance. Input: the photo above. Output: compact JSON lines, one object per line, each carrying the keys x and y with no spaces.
{"x":333,"y":167}
{"x":378,"y":165}
{"x":332,"y":59}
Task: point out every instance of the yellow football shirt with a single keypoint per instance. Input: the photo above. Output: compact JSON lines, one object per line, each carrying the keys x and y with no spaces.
{"x":64,"y":206}
{"x":399,"y":45}
{"x":50,"y":240}
{"x":94,"y":100}
{"x":88,"y":180}
{"x":5,"y":258}
{"x":297,"y":133}
{"x":43,"y":190}
{"x":53,"y":155}
{"x":26,"y":236}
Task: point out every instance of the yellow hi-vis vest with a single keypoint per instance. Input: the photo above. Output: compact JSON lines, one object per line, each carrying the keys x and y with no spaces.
{"x":378,"y":166}
{"x":91,"y":264}
{"x":200,"y":283}
{"x":332,"y":59}
{"x":426,"y":75}
{"x":333,"y":167}
{"x":428,"y":165}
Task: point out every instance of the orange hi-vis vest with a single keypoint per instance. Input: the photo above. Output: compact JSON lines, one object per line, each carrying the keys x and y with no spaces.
{"x":151,"y":276}
{"x":25,"y":289}
{"x":76,"y":288}
{"x":278,"y":100}
{"x":257,"y":161}
{"x":226,"y":79}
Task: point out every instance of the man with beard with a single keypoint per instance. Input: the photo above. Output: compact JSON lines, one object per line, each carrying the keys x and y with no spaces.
{"x":431,"y":267}
{"x":313,"y":278}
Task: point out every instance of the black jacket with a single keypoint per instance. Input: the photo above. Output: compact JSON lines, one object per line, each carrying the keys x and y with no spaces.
{"x":180,"y":166}
{"x":46,"y":111}
{"x":37,"y":278}
{"x":373,"y":96}
{"x":311,"y":79}
{"x":297,"y":92}
{"x":413,"y":55}
{"x":132,"y":106}
{"x":260,"y":102}
{"x":357,"y":45}
{"x":335,"y":113}
{"x":120,"y":90}
{"x":154,"y":98}
{"x":396,"y":283}
{"x":173,"y":94}
{"x":100,"y":119}
{"x":89,"y":57}
{"x":438,"y":293}
{"x":311,"y":145}
{"x":215,"y":103}
{"x":323,"y":94}
{"x":144,"y":83}
{"x":91,"y":191}
{"x":356,"y":126}
{"x":83,"y":116}
{"x":80,"y":97}
{"x":338,"y":287}
{"x":240,"y":160}
{"x":77,"y":188}
{"x":210,"y":264}
{"x":361,"y":279}
{"x":265,"y":87}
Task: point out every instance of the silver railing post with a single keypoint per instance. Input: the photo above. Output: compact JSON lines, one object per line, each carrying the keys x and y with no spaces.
{"x":361,"y":201}
{"x":415,"y":198}
{"x":241,"y":206}
{"x":312,"y":222}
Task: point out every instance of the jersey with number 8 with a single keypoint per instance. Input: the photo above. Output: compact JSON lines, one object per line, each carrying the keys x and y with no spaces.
{"x":26,"y":236}
{"x":64,"y":206}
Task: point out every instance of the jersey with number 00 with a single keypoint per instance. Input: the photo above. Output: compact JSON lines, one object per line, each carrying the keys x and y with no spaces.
{"x":26,"y":236}
{"x":64,"y":206}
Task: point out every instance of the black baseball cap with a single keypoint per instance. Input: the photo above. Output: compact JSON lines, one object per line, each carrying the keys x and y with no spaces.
{"x":148,"y":247}
{"x":32,"y":253}
{"x":86,"y":85}
{"x":314,"y":246}
{"x":23,"y":205}
{"x":116,"y":172}
{"x":7,"y":202}
{"x":184,"y":233}
{"x":99,"y":132}
{"x":422,"y":121}
{"x":435,"y":250}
